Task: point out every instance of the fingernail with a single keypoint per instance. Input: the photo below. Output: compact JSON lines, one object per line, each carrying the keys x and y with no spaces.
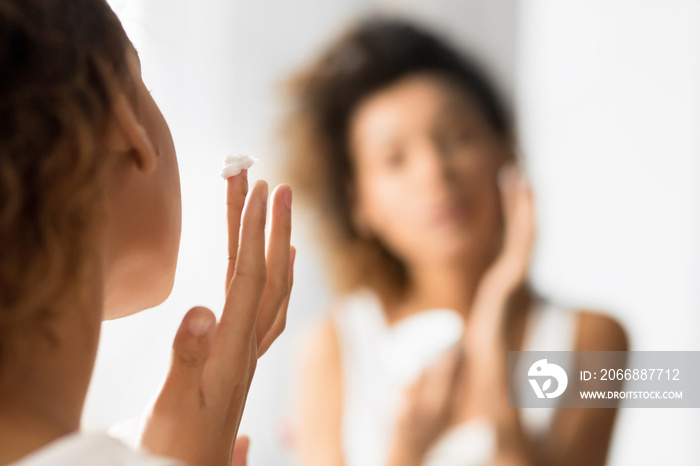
{"x":522,"y":179}
{"x":288,"y":199}
{"x":506,"y":177}
{"x":199,"y":325}
{"x":264,"y":194}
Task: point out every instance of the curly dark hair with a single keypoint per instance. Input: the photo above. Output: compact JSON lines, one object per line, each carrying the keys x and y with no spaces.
{"x":61,"y":61}
{"x":374,"y":54}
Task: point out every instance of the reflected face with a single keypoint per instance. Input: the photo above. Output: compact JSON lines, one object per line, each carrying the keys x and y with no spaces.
{"x":144,"y":217}
{"x":426,"y":163}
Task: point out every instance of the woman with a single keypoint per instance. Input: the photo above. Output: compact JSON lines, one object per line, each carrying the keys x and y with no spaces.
{"x":408,"y":156}
{"x":90,"y":229}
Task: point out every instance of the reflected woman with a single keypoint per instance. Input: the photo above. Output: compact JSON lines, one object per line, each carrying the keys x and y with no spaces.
{"x":407,"y":154}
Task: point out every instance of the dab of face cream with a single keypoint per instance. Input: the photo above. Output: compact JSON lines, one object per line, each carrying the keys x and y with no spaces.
{"x":233,"y":164}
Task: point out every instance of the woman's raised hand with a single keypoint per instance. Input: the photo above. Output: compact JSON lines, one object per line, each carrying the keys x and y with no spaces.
{"x":196,"y":416}
{"x":485,"y":339}
{"x":425,"y":410}
{"x":509,"y":271}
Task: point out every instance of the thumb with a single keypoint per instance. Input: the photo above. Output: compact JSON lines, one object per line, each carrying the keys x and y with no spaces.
{"x":190,"y":351}
{"x":240,"y":451}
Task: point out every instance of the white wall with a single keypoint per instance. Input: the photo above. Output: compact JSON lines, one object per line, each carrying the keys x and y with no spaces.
{"x":609,"y":105}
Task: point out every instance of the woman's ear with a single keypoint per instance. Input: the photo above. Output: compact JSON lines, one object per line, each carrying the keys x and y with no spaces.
{"x":127,"y":134}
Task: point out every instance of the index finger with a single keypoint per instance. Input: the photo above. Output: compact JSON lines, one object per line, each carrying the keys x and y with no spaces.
{"x":519,"y":219}
{"x":236,"y":191}
{"x":233,"y":348}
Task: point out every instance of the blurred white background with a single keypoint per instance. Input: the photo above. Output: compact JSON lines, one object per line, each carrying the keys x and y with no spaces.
{"x":607,"y":94}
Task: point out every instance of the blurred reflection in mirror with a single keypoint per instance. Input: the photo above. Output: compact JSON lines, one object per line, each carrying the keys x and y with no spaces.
{"x":407,"y":154}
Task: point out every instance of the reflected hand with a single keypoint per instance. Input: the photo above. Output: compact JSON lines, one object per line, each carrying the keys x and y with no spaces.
{"x":485,"y":343}
{"x":508,"y":272}
{"x":426,"y":409}
{"x":197,"y":413}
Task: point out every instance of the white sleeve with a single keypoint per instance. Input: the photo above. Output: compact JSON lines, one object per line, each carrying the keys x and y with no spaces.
{"x":94,"y":449}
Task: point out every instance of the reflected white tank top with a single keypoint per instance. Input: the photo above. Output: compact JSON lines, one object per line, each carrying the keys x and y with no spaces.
{"x":378,"y":361}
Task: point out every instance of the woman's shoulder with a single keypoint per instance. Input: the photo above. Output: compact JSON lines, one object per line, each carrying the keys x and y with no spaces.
{"x":347,"y":323}
{"x":321,"y":352}
{"x":590,"y":329}
{"x":599,"y":331}
{"x":323,"y":338}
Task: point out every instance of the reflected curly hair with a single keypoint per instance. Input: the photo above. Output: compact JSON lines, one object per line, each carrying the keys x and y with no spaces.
{"x":60,"y":64}
{"x":371,"y":56}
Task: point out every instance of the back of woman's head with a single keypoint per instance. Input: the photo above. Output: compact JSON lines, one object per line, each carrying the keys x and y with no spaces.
{"x":60,"y":63}
{"x":372,"y":56}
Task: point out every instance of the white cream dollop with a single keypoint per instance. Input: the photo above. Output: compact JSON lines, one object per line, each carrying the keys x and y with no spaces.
{"x":233,"y":164}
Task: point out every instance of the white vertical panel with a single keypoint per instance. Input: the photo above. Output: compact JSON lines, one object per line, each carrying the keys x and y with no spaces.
{"x":609,"y":99}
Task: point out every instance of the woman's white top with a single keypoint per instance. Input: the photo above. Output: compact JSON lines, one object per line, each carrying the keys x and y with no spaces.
{"x":95,"y":448}
{"x":378,"y":362}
